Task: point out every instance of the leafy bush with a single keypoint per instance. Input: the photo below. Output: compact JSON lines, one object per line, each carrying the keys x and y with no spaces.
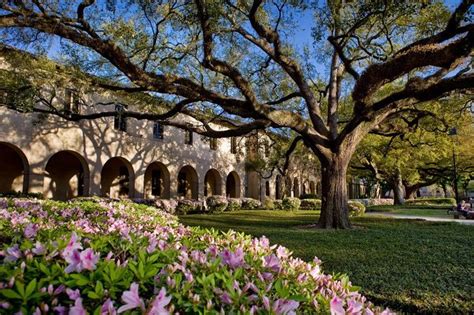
{"x":216,"y":204}
{"x":375,"y":201}
{"x":356,"y":208}
{"x":186,"y":206}
{"x":233,"y":204}
{"x":278,"y":204}
{"x":309,"y":196}
{"x":269,"y":204}
{"x":310,"y":204}
{"x":251,"y":204}
{"x":108,"y":257}
{"x":290,"y":204}
{"x":431,"y":201}
{"x":19,"y":194}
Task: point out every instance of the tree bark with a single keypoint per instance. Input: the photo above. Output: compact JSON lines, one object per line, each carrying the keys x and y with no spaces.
{"x":334,"y":208}
{"x":410,"y":191}
{"x":398,"y":189}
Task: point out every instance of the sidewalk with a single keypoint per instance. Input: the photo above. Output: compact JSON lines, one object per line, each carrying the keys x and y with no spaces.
{"x":416,"y":217}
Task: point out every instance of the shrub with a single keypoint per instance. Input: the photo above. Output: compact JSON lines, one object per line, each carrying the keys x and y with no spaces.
{"x":233,"y":204}
{"x":375,"y":201}
{"x":269,"y":204}
{"x":251,"y":204}
{"x":432,"y":201}
{"x":290,"y":204}
{"x":186,"y":206}
{"x":356,"y":208}
{"x":124,"y":256}
{"x":216,"y":204}
{"x":19,"y":194}
{"x":278,"y":204}
{"x":310,"y":204}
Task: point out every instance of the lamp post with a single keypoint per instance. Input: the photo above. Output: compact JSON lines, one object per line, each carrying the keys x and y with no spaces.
{"x":453,"y":132}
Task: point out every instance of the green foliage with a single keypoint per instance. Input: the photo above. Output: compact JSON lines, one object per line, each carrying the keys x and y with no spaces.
{"x":310,"y":204}
{"x":250,"y":204}
{"x":233,"y":204}
{"x":269,"y":204}
{"x":291,"y":204}
{"x":356,"y":208}
{"x":188,"y":206}
{"x":216,"y":204}
{"x":431,"y":201}
{"x":18,"y":194}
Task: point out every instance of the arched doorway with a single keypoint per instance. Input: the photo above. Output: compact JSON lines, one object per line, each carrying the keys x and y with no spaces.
{"x":232,"y":185}
{"x":117,"y":178}
{"x":253,"y":185}
{"x":312,"y":188}
{"x":296,"y":187}
{"x":212,"y":183}
{"x":278,"y":191}
{"x":67,"y":176}
{"x":14,"y":169}
{"x":157,"y":181}
{"x":188,"y":184}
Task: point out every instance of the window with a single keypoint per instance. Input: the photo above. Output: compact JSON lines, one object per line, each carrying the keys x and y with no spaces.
{"x":188,"y":137}
{"x":120,"y":122}
{"x":266,"y":148}
{"x":267,"y":188}
{"x":213,"y":143}
{"x":158,"y":131}
{"x":71,"y":102}
{"x":233,"y":145}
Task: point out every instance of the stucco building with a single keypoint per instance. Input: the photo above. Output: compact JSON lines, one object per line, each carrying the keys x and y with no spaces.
{"x":121,"y":157}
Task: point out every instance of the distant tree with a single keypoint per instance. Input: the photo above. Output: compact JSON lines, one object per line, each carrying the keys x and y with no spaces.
{"x":232,"y":58}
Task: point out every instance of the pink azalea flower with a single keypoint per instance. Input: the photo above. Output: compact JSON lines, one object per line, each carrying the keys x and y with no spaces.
{"x":272,"y":262}
{"x":132,"y":299}
{"x":74,"y":261}
{"x":31,"y":230}
{"x":337,"y":307}
{"x":77,"y":309}
{"x":73,"y":244}
{"x":266,"y":303}
{"x":159,"y":303}
{"x":73,"y":294}
{"x":89,"y":259}
{"x":60,"y":310}
{"x":225,"y":298}
{"x":13,"y":253}
{"x":233,"y":259}
{"x":354,"y":307}
{"x":108,"y":308}
{"x":285,"y":307}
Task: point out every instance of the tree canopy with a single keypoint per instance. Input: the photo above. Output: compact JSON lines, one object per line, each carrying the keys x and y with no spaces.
{"x":234,"y":59}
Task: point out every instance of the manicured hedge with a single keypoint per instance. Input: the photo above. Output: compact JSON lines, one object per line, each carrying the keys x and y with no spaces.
{"x":310,"y":204}
{"x":432,"y":201}
{"x":104,"y":257}
{"x":356,"y":208}
{"x":290,"y":204}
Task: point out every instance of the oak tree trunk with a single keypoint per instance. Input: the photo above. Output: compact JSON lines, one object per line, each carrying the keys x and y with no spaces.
{"x":334,"y":206}
{"x":398,"y":189}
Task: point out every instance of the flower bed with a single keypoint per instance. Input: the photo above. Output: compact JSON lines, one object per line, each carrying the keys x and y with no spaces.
{"x":113,"y":257}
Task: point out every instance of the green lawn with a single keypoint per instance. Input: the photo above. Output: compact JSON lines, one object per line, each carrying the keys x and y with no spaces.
{"x":408,"y":265}
{"x":431,"y":211}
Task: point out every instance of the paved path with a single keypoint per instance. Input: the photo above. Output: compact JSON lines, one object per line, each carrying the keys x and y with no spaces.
{"x":417,"y":217}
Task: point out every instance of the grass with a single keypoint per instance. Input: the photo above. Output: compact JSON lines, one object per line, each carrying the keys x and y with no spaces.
{"x":407,"y":265}
{"x":415,"y":210}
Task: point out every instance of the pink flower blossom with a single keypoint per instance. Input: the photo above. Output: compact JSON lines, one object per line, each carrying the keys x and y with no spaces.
{"x":354,"y":307}
{"x":233,"y":259}
{"x":74,"y":261}
{"x":13,"y":253}
{"x":336,"y":306}
{"x":73,"y":244}
{"x":285,"y":307}
{"x":77,"y":309}
{"x":225,"y":298}
{"x":39,"y":249}
{"x":108,"y":308}
{"x":89,"y":259}
{"x":60,"y":310}
{"x":272,"y":262}
{"x":73,"y":294}
{"x":132,"y":299}
{"x":31,"y":230}
{"x":159,"y":303}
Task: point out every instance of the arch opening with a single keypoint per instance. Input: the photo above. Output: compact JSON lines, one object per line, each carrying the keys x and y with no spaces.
{"x":253,"y":185}
{"x":212,"y":183}
{"x":278,"y":191}
{"x":232,"y":185}
{"x":188,"y":184}
{"x":117,"y":178}
{"x":312,"y":188}
{"x":296,"y":188}
{"x":14,"y":169}
{"x":157,"y":181}
{"x":67,"y":176}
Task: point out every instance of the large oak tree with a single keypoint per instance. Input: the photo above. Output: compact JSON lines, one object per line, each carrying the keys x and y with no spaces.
{"x":233,"y":59}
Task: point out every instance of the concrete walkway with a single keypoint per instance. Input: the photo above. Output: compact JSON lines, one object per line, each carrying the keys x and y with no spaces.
{"x":417,"y":217}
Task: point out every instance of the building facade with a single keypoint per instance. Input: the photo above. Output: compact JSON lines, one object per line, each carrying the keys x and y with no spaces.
{"x":124,"y":158}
